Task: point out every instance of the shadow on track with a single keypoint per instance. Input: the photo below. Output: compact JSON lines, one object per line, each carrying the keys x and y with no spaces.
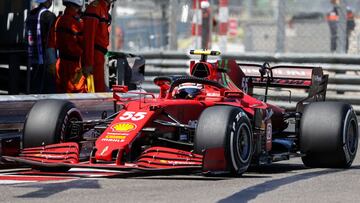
{"x":46,"y":190}
{"x":277,"y":168}
{"x":253,"y":172}
{"x":253,"y":191}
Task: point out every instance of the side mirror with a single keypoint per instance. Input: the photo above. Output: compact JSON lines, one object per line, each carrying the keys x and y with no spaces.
{"x":231,"y":94}
{"x":164,"y":83}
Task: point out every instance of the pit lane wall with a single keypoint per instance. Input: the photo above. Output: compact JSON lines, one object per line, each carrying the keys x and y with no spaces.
{"x":343,"y":70}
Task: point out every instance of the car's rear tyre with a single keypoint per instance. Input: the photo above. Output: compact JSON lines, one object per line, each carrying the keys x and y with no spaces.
{"x":229,"y":128}
{"x":328,"y":135}
{"x":49,"y":122}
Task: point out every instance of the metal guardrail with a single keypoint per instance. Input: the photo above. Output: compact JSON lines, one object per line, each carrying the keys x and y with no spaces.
{"x":343,"y":77}
{"x":183,"y":63}
{"x":36,"y":97}
{"x":261,"y":57}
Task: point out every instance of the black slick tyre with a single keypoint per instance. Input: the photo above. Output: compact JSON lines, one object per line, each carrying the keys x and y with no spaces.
{"x":328,"y":135}
{"x":229,"y":128}
{"x":48,"y":122}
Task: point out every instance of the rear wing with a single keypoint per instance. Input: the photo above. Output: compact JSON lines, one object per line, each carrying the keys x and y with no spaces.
{"x":304,"y":77}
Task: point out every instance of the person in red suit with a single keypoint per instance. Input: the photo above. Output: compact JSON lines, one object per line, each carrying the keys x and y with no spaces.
{"x":96,"y":40}
{"x":69,"y":43}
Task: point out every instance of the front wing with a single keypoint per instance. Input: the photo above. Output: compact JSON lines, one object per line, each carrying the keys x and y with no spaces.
{"x":65,"y":155}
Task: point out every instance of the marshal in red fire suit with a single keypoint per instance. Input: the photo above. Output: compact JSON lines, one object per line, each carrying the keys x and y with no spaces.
{"x":96,"y":40}
{"x":69,"y":42}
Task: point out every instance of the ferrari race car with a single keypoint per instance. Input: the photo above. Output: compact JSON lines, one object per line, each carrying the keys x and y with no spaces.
{"x":210,"y":121}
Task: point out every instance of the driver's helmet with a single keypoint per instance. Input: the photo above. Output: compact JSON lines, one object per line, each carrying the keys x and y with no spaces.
{"x":188,"y":90}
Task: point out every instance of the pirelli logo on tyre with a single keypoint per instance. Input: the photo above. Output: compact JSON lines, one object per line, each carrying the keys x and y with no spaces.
{"x":123,"y":127}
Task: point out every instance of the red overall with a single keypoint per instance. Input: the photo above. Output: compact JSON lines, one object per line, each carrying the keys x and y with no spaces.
{"x":69,"y":42}
{"x":96,"y":40}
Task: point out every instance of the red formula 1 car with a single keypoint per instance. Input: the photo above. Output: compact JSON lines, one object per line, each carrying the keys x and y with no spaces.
{"x":210,"y":121}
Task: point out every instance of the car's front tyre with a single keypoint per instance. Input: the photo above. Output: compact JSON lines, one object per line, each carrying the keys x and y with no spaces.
{"x":48,"y":122}
{"x":229,"y":128}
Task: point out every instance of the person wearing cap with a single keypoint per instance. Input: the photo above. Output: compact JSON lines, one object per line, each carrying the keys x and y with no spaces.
{"x":333,"y":21}
{"x":96,"y":40}
{"x":69,"y":43}
{"x":37,"y":27}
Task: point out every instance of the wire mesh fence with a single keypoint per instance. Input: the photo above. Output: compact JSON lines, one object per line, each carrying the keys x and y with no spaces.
{"x":286,"y":26}
{"x":305,"y":26}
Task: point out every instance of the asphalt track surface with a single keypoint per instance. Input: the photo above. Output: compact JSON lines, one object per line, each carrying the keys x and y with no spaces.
{"x":287,"y":181}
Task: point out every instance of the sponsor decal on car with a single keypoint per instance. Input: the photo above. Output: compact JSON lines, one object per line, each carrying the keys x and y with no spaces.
{"x":119,"y":137}
{"x":134,"y":116}
{"x":111,"y":140}
{"x":114,"y":138}
{"x":174,"y":163}
{"x":268,"y":136}
{"x":123,"y":127}
{"x":117,"y":133}
{"x":268,"y":132}
{"x":213,"y":94}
